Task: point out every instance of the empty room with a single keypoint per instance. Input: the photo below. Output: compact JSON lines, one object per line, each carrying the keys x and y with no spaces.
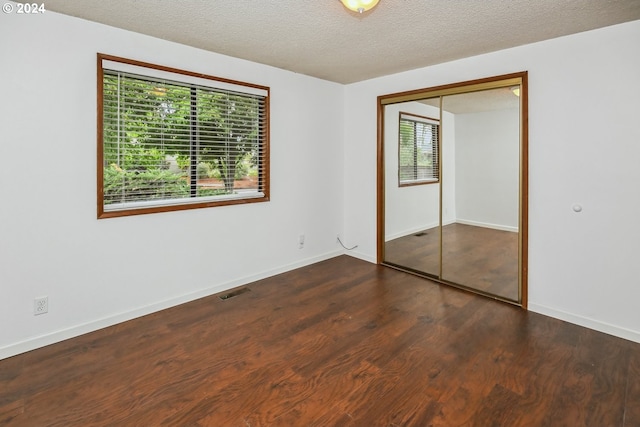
{"x":336,"y":213}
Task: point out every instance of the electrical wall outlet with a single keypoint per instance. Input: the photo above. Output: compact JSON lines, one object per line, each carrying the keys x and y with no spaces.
{"x":301,"y":241}
{"x":41,"y":305}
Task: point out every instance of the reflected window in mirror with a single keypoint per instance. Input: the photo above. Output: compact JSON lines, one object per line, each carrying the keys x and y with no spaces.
{"x":418,"y":155}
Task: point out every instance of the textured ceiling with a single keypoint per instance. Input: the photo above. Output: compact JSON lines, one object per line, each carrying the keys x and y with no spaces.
{"x":325,"y":40}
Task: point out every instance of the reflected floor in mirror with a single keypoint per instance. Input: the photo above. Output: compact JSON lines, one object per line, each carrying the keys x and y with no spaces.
{"x":476,"y":257}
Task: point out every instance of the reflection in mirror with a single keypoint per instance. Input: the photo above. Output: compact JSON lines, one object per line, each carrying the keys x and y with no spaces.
{"x":452,"y":184}
{"x":480,"y":244}
{"x":412,"y":187}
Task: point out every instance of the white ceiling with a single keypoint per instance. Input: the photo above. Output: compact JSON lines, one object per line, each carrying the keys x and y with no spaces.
{"x":325,"y":40}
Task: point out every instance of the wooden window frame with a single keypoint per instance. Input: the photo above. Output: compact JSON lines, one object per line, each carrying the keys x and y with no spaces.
{"x":264,"y":165}
{"x":436,"y":151}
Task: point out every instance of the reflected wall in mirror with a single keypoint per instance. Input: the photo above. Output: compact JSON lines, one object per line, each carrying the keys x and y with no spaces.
{"x":452,"y":184}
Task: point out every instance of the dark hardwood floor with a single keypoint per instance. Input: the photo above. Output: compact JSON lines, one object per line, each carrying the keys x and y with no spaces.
{"x":477,"y":257}
{"x":338,"y":343}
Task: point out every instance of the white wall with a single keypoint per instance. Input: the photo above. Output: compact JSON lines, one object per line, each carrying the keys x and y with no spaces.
{"x":583,"y":148}
{"x":98,"y":272}
{"x":487,"y":172}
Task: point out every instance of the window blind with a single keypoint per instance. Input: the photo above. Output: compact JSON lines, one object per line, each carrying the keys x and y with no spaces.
{"x":418,"y":155}
{"x":170,"y":140}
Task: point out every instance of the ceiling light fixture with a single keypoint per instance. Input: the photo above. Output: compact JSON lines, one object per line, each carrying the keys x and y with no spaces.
{"x":359,"y":5}
{"x":515,"y":90}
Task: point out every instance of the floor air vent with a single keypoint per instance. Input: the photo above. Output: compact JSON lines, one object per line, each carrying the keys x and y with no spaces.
{"x":234,"y":293}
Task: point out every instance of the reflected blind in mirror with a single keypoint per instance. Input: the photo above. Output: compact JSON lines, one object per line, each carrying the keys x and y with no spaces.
{"x":418,"y":156}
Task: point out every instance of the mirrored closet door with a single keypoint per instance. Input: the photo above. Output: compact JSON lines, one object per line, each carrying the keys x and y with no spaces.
{"x":452,"y":184}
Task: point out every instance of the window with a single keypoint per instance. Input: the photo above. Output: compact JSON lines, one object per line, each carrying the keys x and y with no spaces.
{"x":418,"y":157}
{"x":170,"y":139}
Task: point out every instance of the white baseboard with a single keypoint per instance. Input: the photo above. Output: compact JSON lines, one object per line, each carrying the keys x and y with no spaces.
{"x":448,"y":222}
{"x":94,"y":325}
{"x":596,"y":325}
{"x":61,"y":335}
{"x":488,"y":225}
{"x":362,"y":256}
